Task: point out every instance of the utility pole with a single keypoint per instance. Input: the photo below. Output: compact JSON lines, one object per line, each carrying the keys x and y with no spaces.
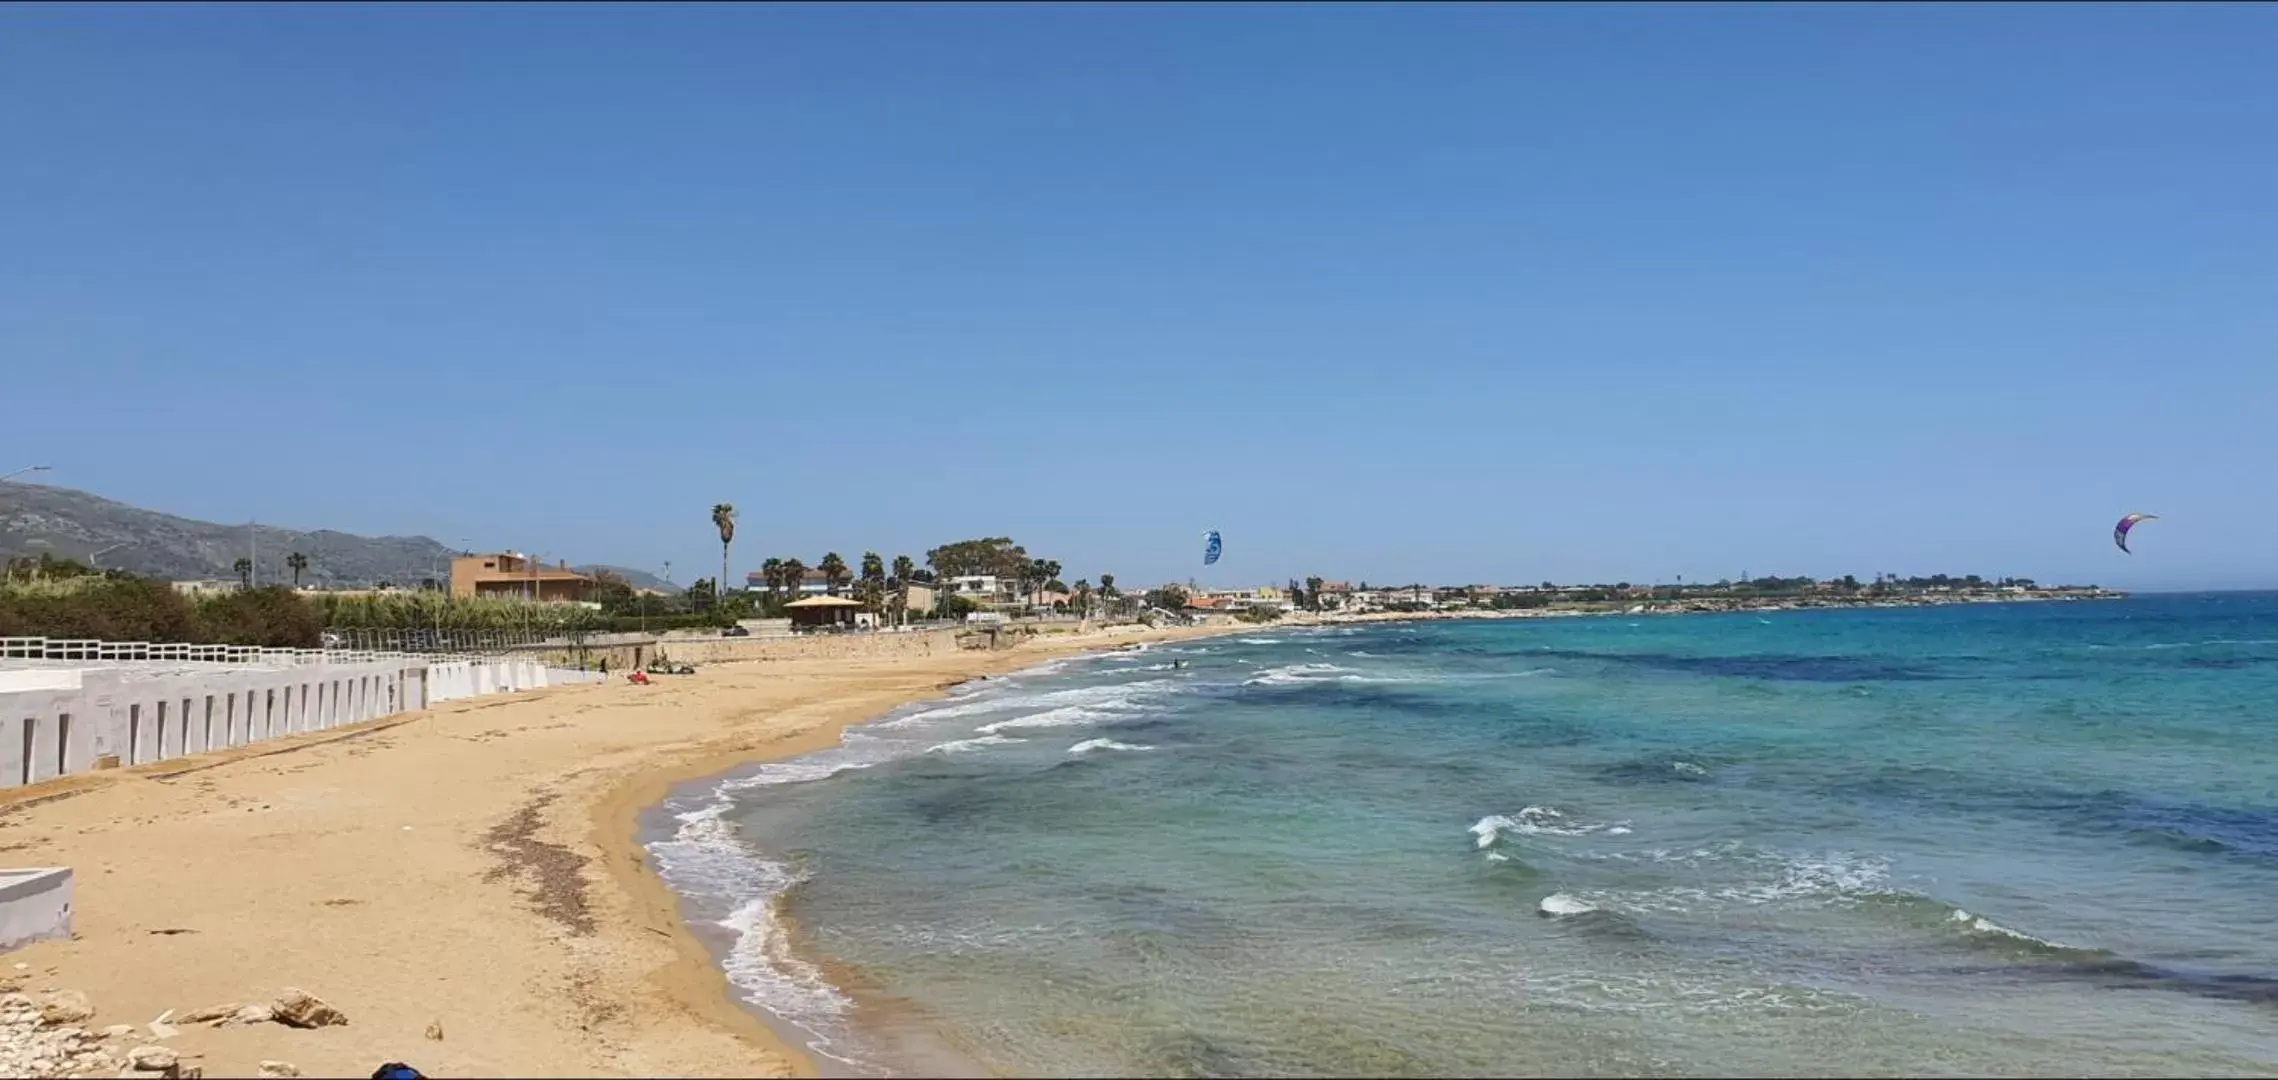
{"x":253,"y":558}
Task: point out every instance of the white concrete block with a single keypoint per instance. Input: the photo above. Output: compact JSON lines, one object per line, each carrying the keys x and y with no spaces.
{"x":35,"y":905}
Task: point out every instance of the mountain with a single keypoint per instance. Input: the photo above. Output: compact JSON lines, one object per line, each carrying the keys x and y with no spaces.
{"x":639,"y":579}
{"x":36,"y":519}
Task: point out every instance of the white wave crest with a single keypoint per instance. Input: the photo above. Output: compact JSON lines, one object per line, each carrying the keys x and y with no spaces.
{"x":1299,"y":674}
{"x":1537,"y":821}
{"x":1108,"y":695}
{"x":962,"y":746}
{"x":1558,"y":905}
{"x":1089,"y":745}
{"x":1988,"y":926}
{"x":1070,"y":716}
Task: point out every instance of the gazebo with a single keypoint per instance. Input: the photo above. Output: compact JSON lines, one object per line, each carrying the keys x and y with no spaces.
{"x":816,"y":612}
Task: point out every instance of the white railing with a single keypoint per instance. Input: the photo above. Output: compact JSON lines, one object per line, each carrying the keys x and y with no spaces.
{"x":89,"y":650}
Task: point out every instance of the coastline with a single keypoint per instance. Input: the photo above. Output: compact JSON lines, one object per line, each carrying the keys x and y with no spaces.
{"x":475,"y":867}
{"x":638,"y":814}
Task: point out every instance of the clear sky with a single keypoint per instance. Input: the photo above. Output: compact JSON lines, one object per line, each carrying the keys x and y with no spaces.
{"x":1455,"y":293}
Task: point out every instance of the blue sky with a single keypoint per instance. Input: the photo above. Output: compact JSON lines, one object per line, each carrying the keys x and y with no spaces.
{"x":1455,"y":293}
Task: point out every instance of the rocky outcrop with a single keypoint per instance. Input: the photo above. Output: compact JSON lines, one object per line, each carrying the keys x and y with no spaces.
{"x":301,"y":1009}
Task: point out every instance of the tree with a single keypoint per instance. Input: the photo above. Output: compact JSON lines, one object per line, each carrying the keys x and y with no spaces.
{"x":1313,"y":594}
{"x":1084,"y":597}
{"x":771,"y":572}
{"x":996,"y":555}
{"x":794,"y":574}
{"x":834,"y":571}
{"x":1038,"y":575}
{"x":244,"y":568}
{"x":701,"y":594}
{"x":1107,"y":585}
{"x":874,"y":582}
{"x":903,"y":568}
{"x":1168,"y":598}
{"x":611,"y":591}
{"x":724,"y":519}
{"x":296,"y":562}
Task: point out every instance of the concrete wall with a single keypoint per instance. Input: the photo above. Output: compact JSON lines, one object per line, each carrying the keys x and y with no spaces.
{"x":59,"y":720}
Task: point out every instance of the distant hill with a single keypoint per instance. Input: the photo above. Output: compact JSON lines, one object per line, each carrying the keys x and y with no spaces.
{"x":36,"y":519}
{"x":639,"y":579}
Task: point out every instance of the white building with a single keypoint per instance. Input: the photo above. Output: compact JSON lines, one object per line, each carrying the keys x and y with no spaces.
{"x":979,"y":587}
{"x":811,"y":583}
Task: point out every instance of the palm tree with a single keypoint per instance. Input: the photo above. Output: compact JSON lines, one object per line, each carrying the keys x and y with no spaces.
{"x":771,"y":572}
{"x":834,"y":571}
{"x":794,"y":574}
{"x":723,"y":519}
{"x":1084,"y":596}
{"x":874,"y":582}
{"x":296,"y":562}
{"x":244,"y":568}
{"x":1313,"y":593}
{"x":903,"y":568}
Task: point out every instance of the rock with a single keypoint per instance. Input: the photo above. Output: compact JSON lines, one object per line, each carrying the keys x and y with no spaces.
{"x":153,"y":1058}
{"x":209,"y":1014}
{"x":66,"y":1007}
{"x":118,"y":1031}
{"x":301,"y":1009}
{"x":248,"y":1014}
{"x":279,"y":1068}
{"x":435,"y":1030}
{"x":159,"y":1029}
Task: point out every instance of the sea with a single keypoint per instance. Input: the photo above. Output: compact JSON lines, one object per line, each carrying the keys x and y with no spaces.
{"x":2014,"y":839}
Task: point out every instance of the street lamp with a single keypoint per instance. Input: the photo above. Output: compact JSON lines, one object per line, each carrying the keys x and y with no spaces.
{"x":25,"y":469}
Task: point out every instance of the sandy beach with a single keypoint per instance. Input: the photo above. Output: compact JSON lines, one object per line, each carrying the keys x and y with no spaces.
{"x":471,"y":869}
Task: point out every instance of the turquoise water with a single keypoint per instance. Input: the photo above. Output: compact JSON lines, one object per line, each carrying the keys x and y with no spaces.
{"x":2000,"y":839}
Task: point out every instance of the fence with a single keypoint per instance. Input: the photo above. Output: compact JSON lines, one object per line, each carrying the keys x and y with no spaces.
{"x":67,"y":706}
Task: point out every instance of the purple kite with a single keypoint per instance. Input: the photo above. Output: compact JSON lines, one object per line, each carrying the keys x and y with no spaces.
{"x":2120,"y":531}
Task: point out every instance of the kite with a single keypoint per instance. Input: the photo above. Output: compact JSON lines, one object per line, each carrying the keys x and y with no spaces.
{"x":1210,"y":547}
{"x":2120,"y":531}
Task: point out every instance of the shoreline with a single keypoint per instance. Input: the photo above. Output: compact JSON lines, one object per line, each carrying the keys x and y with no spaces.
{"x":635,"y":814}
{"x":473,"y":871}
{"x":639,"y":814}
{"x":884,"y":1021}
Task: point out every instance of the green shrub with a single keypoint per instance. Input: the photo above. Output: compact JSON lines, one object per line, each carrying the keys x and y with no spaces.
{"x":274,"y":617}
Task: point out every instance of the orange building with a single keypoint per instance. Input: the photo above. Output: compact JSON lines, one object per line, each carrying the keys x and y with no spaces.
{"x":509,"y":573}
